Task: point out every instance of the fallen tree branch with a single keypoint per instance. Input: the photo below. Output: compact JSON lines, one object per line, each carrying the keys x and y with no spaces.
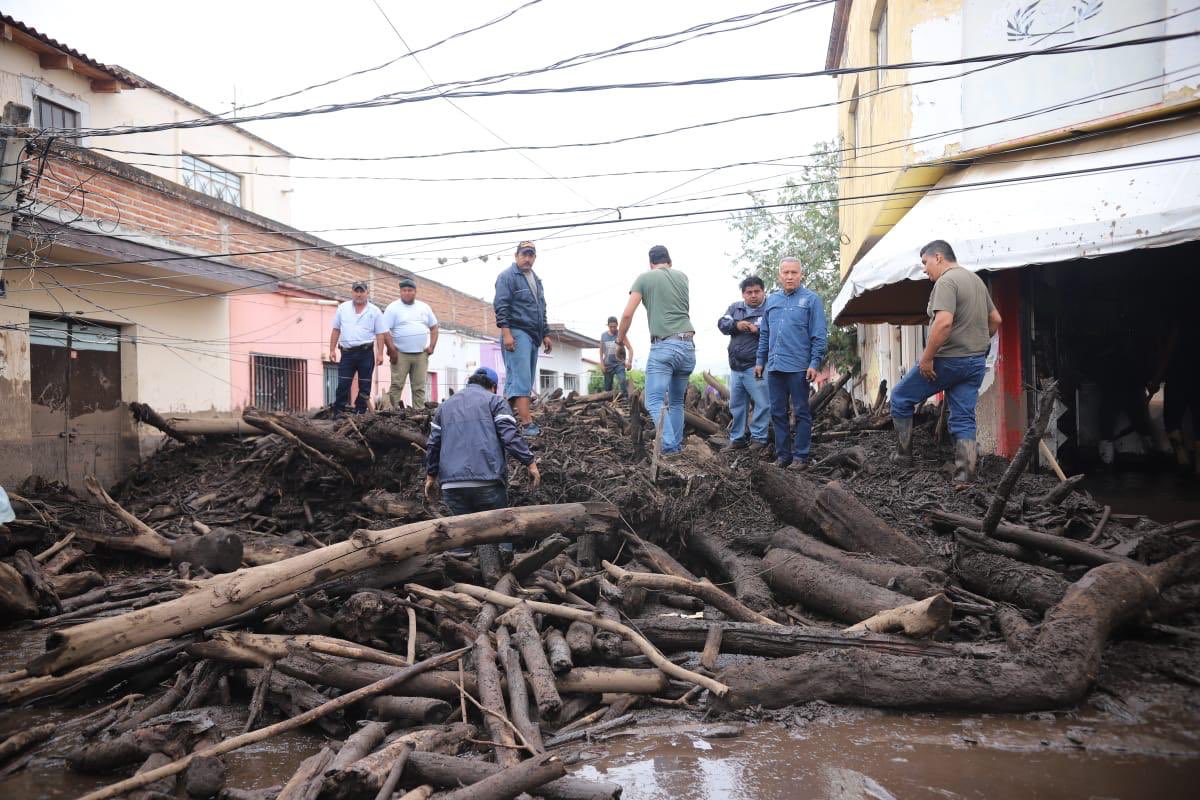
{"x":704,"y":589}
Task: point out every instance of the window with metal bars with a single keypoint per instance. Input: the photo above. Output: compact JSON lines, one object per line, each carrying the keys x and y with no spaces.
{"x":570,"y":383}
{"x":53,"y":116}
{"x":211,"y":180}
{"x":280,"y":384}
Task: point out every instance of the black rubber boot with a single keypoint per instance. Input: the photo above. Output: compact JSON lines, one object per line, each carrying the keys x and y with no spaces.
{"x":966,"y":455}
{"x":904,"y":434}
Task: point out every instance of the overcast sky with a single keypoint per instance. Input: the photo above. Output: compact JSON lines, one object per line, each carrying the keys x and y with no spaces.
{"x":215,"y":51}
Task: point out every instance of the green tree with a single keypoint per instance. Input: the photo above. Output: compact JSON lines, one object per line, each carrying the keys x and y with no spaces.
{"x":807,"y":228}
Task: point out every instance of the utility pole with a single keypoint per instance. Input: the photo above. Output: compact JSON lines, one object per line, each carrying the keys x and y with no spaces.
{"x":15,"y":118}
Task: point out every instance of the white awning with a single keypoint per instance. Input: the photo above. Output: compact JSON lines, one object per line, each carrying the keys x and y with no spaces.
{"x":1120,"y":191}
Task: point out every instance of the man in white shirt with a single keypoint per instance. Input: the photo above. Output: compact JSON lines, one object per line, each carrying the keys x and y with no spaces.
{"x":410,"y":336}
{"x":358,"y":335}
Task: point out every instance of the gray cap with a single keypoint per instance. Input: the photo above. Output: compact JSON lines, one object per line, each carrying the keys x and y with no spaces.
{"x":407,"y":283}
{"x":359,"y":286}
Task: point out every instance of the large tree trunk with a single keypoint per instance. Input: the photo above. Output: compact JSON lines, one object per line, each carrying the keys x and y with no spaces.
{"x":835,"y":514}
{"x":827,"y":589}
{"x":224,"y":596}
{"x":441,"y":770}
{"x":1007,"y":580}
{"x":912,"y":581}
{"x":316,"y":434}
{"x":1056,"y":670}
{"x":744,"y":572}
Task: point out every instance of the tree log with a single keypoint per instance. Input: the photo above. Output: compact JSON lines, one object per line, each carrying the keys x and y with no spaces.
{"x":224,"y":596}
{"x":835,"y":514}
{"x":558,"y":651}
{"x":359,"y":744}
{"x":579,"y":639}
{"x":16,"y":601}
{"x":919,"y":620}
{"x":518,"y":698}
{"x":317,"y":434}
{"x":1056,"y":670}
{"x":827,"y":589}
{"x":388,"y":504}
{"x":147,"y":415}
{"x":418,"y":710}
{"x":442,"y":770}
{"x":704,"y":589}
{"x":529,"y":642}
{"x":491,"y":701}
{"x":75,"y":583}
{"x":364,"y":777}
{"x":1006,"y":580}
{"x":25,"y":739}
{"x":506,"y":784}
{"x":306,"y":781}
{"x":1068,"y":549}
{"x":1029,"y":446}
{"x":912,"y":581}
{"x":744,"y":572}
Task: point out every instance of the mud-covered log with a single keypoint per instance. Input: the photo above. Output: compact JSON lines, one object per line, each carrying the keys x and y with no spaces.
{"x":579,"y":638}
{"x":75,"y":583}
{"x":529,"y":642}
{"x":24,"y":739}
{"x":148,"y":416}
{"x":447,"y":771}
{"x":834,"y":514}
{"x":602,"y":680}
{"x":681,"y":634}
{"x":1006,"y":580}
{"x":743,"y":572}
{"x":827,"y":589}
{"x":419,"y":710}
{"x":16,"y":601}
{"x":224,"y":596}
{"x":912,"y":581}
{"x":359,"y":744}
{"x":389,"y":504}
{"x":317,"y":434}
{"x":1067,"y":549}
{"x":491,"y":700}
{"x":558,"y":651}
{"x":364,"y":777}
{"x":511,"y":782}
{"x":704,"y":589}
{"x":518,"y":698}
{"x":923,"y":618}
{"x":1054,"y":671}
{"x":390,"y":432}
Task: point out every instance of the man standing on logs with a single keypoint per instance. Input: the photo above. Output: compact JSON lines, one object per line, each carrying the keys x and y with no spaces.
{"x":962,"y":319}
{"x":664,"y":291}
{"x":468,"y":439}
{"x":410,"y":336}
{"x":740,"y":324}
{"x":791,"y":346}
{"x":520,"y":306}
{"x":611,"y":362}
{"x":357,"y":338}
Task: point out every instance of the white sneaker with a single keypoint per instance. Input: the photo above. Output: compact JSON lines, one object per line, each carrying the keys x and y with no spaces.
{"x":1107,"y":452}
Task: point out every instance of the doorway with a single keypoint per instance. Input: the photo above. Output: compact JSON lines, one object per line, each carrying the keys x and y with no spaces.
{"x":77,"y":416}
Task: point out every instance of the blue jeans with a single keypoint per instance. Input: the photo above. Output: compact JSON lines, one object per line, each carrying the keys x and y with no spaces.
{"x":617,"y":375}
{"x":744,"y":388}
{"x":959,"y":377}
{"x":790,"y":388}
{"x":520,"y":366}
{"x":469,"y":499}
{"x":350,"y":362}
{"x":668,"y":368}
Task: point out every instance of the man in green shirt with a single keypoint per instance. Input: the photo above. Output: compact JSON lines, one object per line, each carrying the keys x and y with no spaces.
{"x":664,"y":292}
{"x":962,"y":319}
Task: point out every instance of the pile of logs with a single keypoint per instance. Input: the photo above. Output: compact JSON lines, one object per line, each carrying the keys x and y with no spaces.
{"x":332,"y":601}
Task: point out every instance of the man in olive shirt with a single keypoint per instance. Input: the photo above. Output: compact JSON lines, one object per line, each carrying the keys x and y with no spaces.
{"x":962,"y":322}
{"x":664,"y":292}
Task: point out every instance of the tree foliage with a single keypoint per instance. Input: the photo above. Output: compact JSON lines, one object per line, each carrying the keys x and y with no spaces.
{"x":807,"y":228}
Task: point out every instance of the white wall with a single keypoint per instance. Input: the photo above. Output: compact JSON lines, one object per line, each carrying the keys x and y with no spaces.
{"x":566,"y":359}
{"x":22,"y":77}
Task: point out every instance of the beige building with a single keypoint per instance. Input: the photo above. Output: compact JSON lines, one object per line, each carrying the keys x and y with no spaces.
{"x":1042,"y":169}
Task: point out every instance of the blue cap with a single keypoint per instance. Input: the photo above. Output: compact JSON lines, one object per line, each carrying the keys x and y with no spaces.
{"x":488,"y":373}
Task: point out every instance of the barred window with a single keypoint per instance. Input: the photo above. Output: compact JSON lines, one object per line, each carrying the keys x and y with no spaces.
{"x":570,"y":383}
{"x":211,"y":180}
{"x":280,"y":384}
{"x":547,"y":380}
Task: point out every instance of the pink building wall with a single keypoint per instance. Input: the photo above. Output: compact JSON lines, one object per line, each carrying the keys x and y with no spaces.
{"x":283,"y":324}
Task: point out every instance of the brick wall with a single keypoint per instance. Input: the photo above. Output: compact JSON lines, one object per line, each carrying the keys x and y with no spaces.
{"x":106,"y":190}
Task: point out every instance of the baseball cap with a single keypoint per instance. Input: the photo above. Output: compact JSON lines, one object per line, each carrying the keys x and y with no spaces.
{"x":527,"y":245}
{"x":488,"y":373}
{"x":407,"y":283}
{"x":359,"y":286}
{"x":659,"y":254}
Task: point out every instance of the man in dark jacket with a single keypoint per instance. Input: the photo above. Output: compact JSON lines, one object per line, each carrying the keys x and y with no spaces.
{"x":465,"y":454}
{"x":520,"y":308}
{"x":740,"y":324}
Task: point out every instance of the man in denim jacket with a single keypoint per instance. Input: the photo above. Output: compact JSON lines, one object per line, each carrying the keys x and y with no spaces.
{"x":791,"y":346}
{"x":520,"y":306}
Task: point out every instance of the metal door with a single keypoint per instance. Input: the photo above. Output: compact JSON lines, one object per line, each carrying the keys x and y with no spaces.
{"x":78,"y":417}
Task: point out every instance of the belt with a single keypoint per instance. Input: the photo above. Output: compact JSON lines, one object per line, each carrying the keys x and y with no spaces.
{"x":355,"y":348}
{"x":686,"y":336}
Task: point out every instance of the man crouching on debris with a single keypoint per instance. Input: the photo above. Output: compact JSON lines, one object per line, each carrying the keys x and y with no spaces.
{"x":468,"y":438}
{"x":962,"y":320}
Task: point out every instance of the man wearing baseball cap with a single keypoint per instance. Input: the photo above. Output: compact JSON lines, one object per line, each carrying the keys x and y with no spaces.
{"x":410,"y":336}
{"x":470,"y":434}
{"x":520,"y":307}
{"x":356,"y":346}
{"x":611,"y":362}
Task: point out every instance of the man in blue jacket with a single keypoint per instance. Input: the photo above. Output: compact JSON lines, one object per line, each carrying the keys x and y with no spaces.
{"x":468,"y":438}
{"x":740,"y":324}
{"x":520,"y":306}
{"x":791,"y":347}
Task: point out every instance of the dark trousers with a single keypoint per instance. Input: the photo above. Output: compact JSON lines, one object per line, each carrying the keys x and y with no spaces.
{"x":615,"y":375}
{"x":469,"y":499}
{"x":789,"y":390}
{"x":352,"y":362}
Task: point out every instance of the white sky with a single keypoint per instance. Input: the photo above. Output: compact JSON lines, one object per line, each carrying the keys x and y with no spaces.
{"x":207,"y":51}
